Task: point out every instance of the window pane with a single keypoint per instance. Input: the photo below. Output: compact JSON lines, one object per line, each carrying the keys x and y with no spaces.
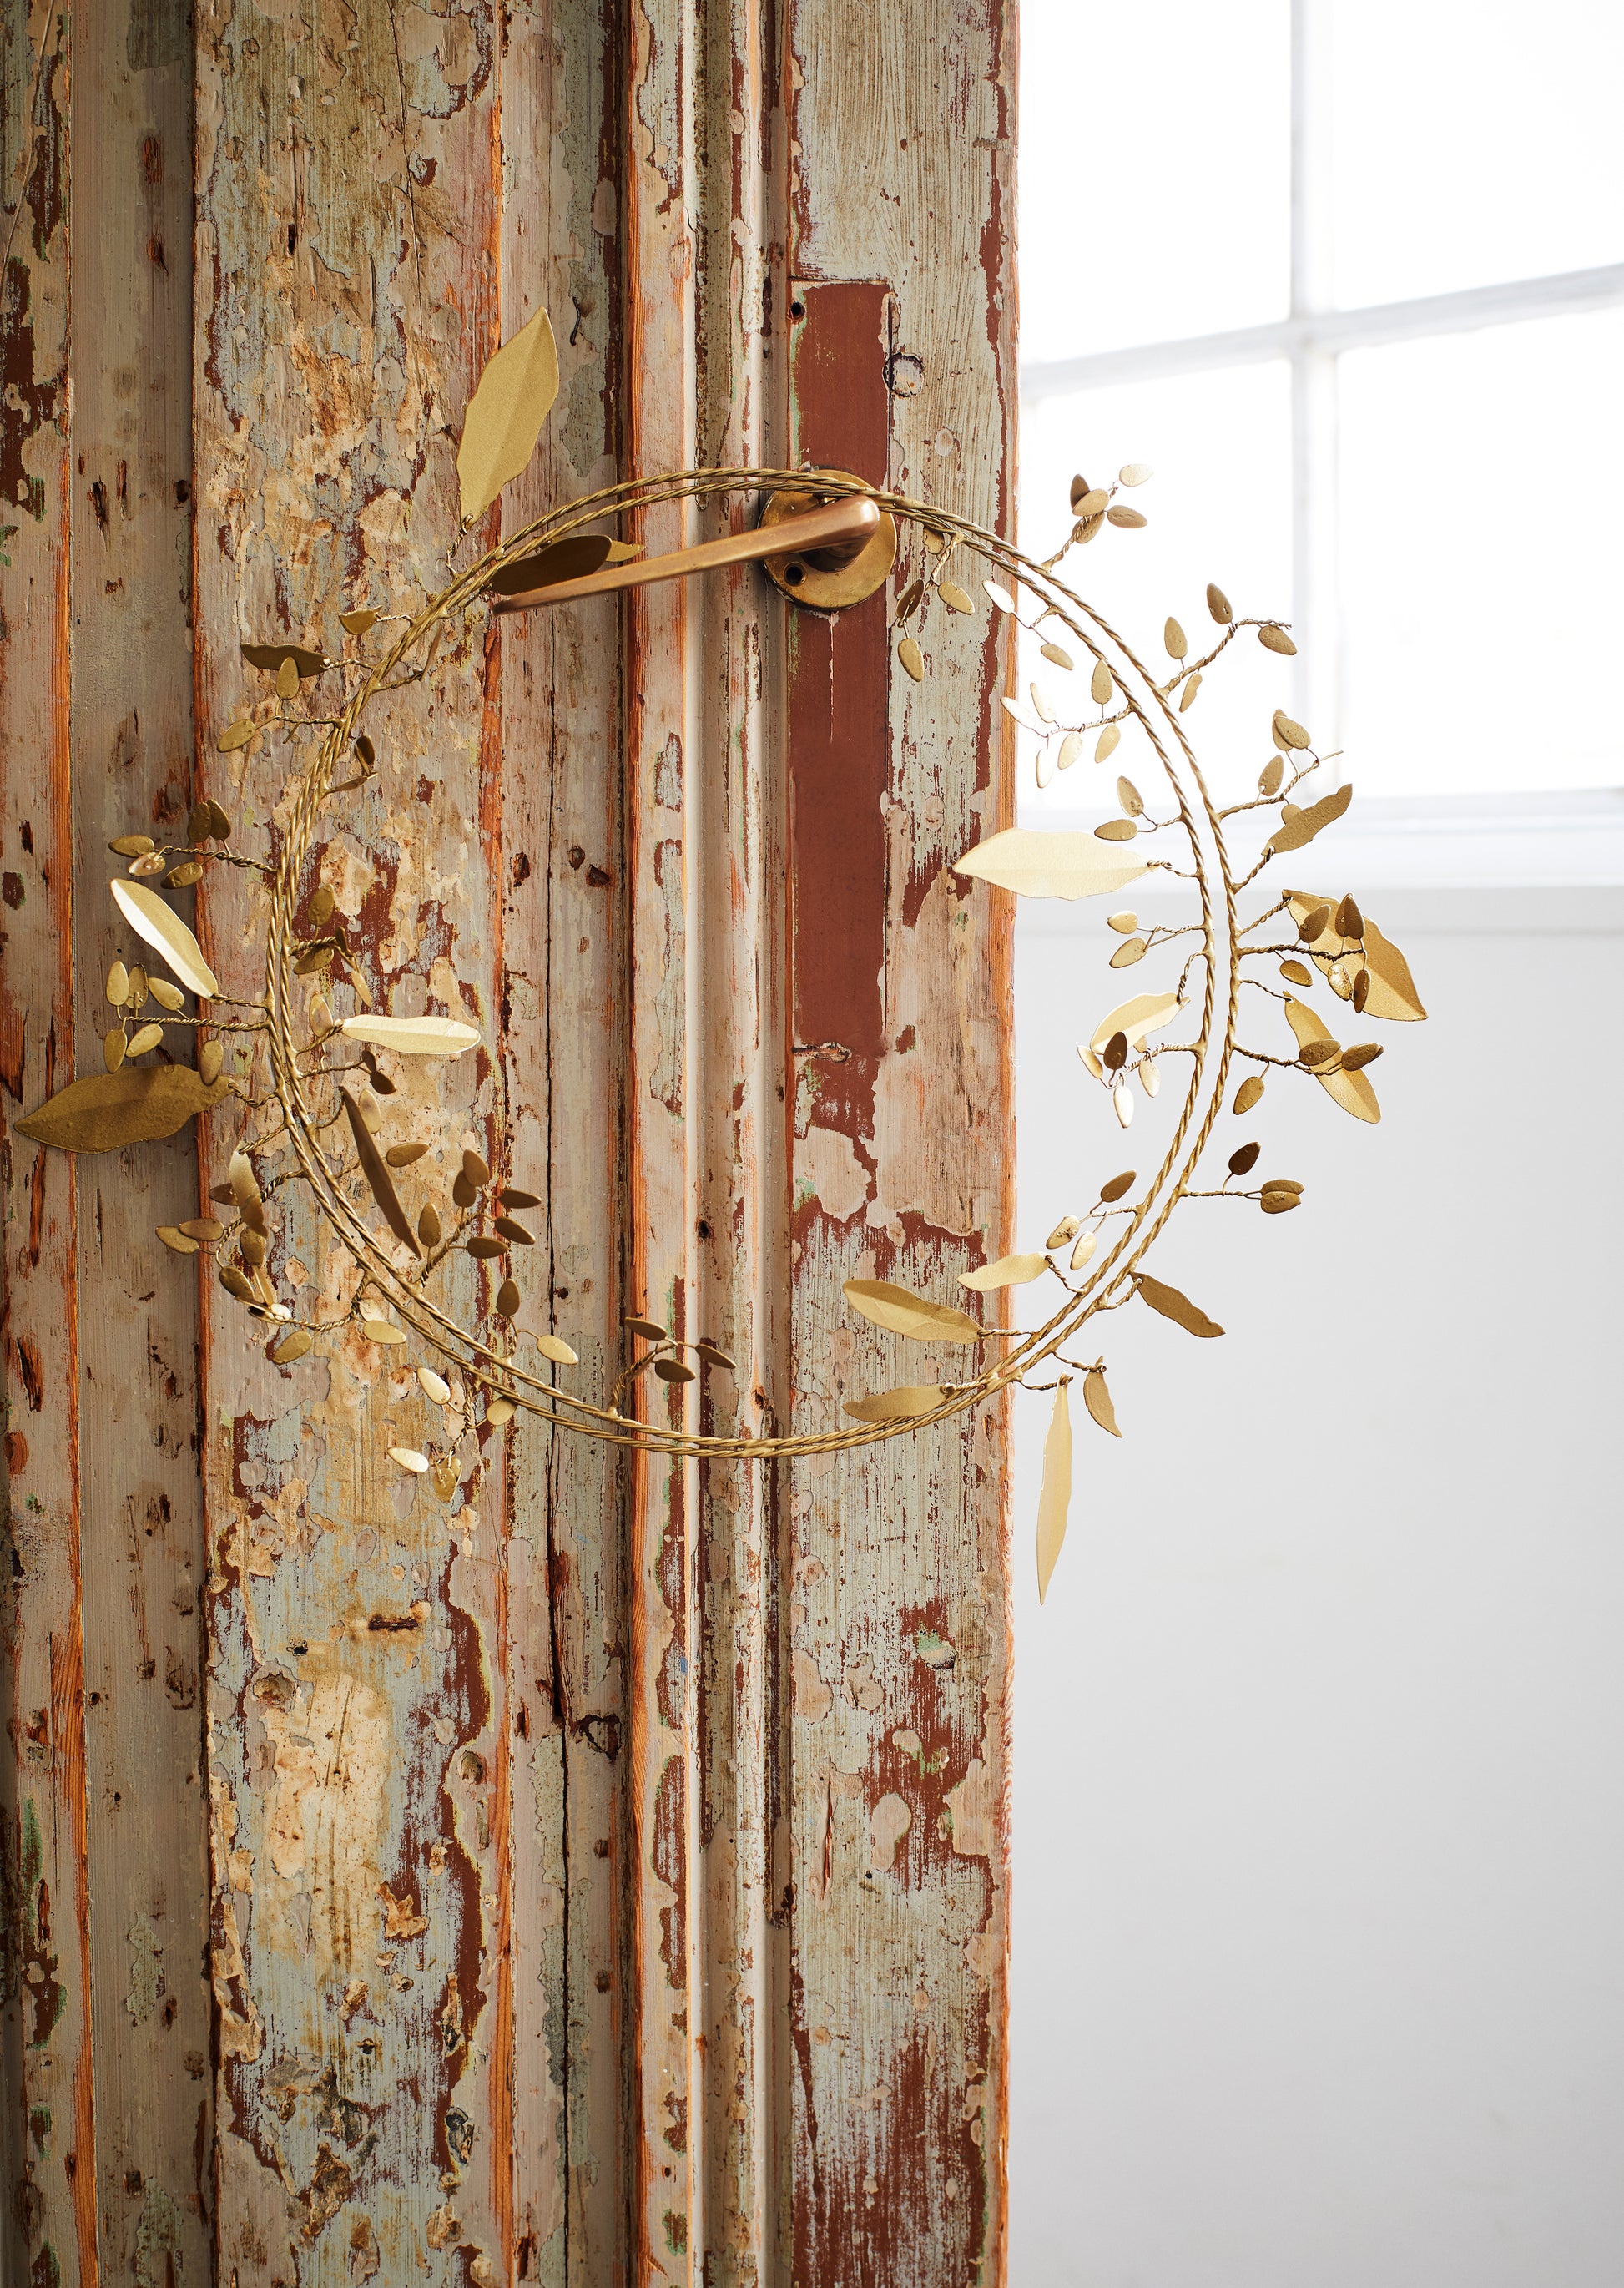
{"x":1473,"y":145}
{"x":1138,"y":127}
{"x":1220,"y":509}
{"x":1482,"y":581}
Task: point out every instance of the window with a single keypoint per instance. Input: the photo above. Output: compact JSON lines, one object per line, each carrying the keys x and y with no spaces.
{"x":1349,"y":273}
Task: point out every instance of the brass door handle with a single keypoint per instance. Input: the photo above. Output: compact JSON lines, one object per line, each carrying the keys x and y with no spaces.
{"x":829,"y":539}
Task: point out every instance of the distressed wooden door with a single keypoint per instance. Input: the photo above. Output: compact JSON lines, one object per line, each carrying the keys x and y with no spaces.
{"x":597,"y":1876}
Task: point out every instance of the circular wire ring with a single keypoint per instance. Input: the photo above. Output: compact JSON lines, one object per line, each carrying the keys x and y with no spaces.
{"x":1109,"y":1283}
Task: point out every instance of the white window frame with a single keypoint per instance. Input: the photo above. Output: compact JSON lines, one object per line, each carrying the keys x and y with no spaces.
{"x":1311,"y":338}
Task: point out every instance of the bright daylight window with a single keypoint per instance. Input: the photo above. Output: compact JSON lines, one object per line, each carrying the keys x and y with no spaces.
{"x":1349,"y":273}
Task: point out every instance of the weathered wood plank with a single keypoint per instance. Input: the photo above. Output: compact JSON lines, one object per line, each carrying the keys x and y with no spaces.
{"x":348,"y":263}
{"x":49,"y":2128}
{"x":902,"y":126}
{"x":563,"y":948}
{"x":130,"y":331}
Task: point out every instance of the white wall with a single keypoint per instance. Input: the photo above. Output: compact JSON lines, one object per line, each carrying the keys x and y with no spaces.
{"x":1318,"y":1902}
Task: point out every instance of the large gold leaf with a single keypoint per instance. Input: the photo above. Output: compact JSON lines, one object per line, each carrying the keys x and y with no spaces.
{"x":1145,"y":1013}
{"x":907,"y":1313}
{"x":1096,"y":1398}
{"x":896,"y":1405}
{"x":1049,"y":865}
{"x":151,"y":917}
{"x":1176,"y":1305}
{"x":378,"y":1178}
{"x":505,"y":413}
{"x":135,"y":1105}
{"x":1392,"y":993}
{"x":413,"y":1036}
{"x":1311,"y":820}
{"x":1055,"y":1499}
{"x":1009,"y":1271}
{"x":564,"y":560}
{"x":1350,"y":1090}
{"x":274,"y":657}
{"x":1392,"y":989}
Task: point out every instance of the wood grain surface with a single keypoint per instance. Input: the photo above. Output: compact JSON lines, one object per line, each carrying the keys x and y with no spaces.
{"x":597,"y":1874}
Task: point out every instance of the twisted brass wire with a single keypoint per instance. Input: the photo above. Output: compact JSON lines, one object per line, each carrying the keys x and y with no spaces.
{"x":1109,"y":1283}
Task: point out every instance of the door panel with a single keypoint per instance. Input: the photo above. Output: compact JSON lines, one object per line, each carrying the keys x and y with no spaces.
{"x":607,"y":1860}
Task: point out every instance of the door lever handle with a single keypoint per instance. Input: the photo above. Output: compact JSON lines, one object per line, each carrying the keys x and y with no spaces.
{"x":826,"y":538}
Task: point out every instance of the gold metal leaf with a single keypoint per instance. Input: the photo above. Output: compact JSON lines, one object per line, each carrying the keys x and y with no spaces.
{"x":1087,"y":1241}
{"x":180,"y":1241}
{"x":1054,"y":1500}
{"x":498,"y":1411}
{"x":1128,"y":519}
{"x":1174,"y":637}
{"x":713,"y":1354}
{"x":428,"y":1224}
{"x":1270,"y":777}
{"x":413,"y":1036}
{"x":1288,"y":733}
{"x":1350,"y":1090}
{"x":1137,"y":472}
{"x":476,"y":1171}
{"x":163,"y":928}
{"x":144,"y":1038}
{"x":1187,"y":697}
{"x":1071,"y":747}
{"x":106,"y":1110}
{"x":274,"y":657}
{"x":1297,"y":972}
{"x":1135,"y":1020}
{"x":1176,"y":1305}
{"x":904,"y":1313}
{"x":911,"y":658}
{"x":1106,"y":744}
{"x":403,"y":1156}
{"x":574,"y":559}
{"x":650,"y":1330}
{"x":113,"y":1049}
{"x":234,"y":736}
{"x":378,"y":1180}
{"x":1009,"y":1271}
{"x":895,"y":1405}
{"x":510,"y":1229}
{"x":167,"y":996}
{"x":1124,"y":924}
{"x":1057,"y":657}
{"x":1096,"y":1398}
{"x":382,"y":1331}
{"x":182,"y":877}
{"x":1132,"y":801}
{"x":555,"y":1347}
{"x":1100,"y":684}
{"x":288,"y":679}
{"x":1249,"y":1093}
{"x":1275,"y":638}
{"x":508,"y":1299}
{"x":409,"y":1459}
{"x":513,"y":397}
{"x":953,"y":596}
{"x":1117,"y":1187}
{"x":293,"y":1347}
{"x":1090,"y":503}
{"x":1312,"y":821}
{"x":1131,"y":950}
{"x":1047,"y":865}
{"x":356,"y":623}
{"x":1218,"y":604}
{"x":673,"y":1370}
{"x":1066,"y":1229}
{"x":485,"y":1249}
{"x":1116,"y":830}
